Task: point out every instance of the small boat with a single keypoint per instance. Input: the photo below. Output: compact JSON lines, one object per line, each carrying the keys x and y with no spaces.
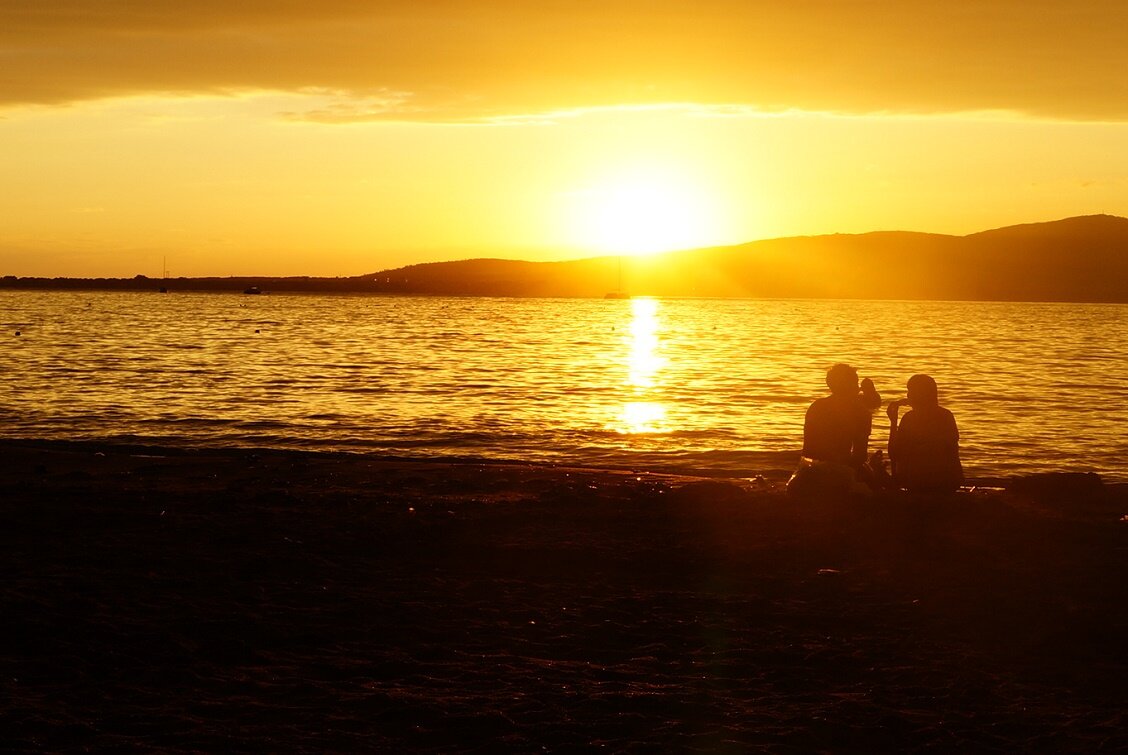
{"x":618,"y":293}
{"x":252,"y":290}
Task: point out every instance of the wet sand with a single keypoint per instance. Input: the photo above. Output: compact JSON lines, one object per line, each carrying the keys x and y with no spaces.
{"x":271,"y":601}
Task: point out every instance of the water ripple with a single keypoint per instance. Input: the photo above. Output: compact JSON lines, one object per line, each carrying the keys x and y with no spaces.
{"x":708,"y":384}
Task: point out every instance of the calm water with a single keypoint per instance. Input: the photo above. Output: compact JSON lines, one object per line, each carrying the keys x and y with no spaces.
{"x":717,"y":385}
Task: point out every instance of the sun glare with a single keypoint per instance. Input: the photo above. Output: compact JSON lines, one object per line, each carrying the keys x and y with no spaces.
{"x":644,"y":213}
{"x":642,"y":414}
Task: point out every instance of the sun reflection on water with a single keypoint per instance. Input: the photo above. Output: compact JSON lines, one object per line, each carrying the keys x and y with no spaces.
{"x":642,"y":413}
{"x":642,"y":417}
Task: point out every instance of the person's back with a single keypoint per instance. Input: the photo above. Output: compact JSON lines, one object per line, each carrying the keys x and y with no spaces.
{"x":834,"y":428}
{"x":925,"y":448}
{"x":837,"y":427}
{"x":836,"y":431}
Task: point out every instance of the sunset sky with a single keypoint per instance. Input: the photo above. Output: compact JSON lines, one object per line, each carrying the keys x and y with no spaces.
{"x":347,"y":136}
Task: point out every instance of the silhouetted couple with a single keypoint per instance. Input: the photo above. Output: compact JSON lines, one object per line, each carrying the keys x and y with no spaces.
{"x":923,"y":450}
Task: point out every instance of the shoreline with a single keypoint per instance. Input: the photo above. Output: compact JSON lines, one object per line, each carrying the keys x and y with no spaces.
{"x":1059,"y":483}
{"x":307,"y":601}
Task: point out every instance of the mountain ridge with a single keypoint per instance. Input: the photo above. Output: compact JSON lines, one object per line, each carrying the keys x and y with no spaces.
{"x":1081,"y":258}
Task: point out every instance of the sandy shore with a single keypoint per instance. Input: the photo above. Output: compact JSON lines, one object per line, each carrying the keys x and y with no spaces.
{"x":270,"y":601}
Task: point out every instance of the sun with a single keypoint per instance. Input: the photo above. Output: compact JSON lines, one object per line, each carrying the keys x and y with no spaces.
{"x":643,"y":212}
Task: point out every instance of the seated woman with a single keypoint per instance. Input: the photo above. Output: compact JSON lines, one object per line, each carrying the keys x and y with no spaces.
{"x":925,"y":449}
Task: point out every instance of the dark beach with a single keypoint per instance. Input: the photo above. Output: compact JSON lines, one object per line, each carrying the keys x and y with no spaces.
{"x":226,"y":600}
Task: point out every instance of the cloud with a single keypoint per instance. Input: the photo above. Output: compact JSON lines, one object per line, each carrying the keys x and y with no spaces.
{"x":352,"y":107}
{"x":460,"y":60}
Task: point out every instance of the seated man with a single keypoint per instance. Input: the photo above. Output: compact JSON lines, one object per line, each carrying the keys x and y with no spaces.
{"x":837,"y":427}
{"x":925,"y":449}
{"x":835,"y":435}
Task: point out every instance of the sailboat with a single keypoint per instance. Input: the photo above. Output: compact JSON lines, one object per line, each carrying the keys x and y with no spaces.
{"x":618,"y":293}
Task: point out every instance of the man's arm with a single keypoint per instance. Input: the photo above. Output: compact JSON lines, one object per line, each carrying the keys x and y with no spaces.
{"x":860,"y":447}
{"x":807,"y":432}
{"x":858,"y":452}
{"x":891,"y":412}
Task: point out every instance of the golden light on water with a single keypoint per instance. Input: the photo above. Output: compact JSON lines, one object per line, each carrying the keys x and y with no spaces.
{"x":642,"y":414}
{"x":643,"y":361}
{"x":642,"y":417}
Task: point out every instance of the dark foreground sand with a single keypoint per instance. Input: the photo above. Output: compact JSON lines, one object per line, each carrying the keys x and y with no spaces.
{"x":228,"y":601}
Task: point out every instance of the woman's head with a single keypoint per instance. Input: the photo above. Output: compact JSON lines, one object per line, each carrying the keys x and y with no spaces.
{"x":922,"y":391}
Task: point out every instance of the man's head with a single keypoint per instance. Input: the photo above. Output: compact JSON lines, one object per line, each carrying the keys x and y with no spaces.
{"x":922,"y":391}
{"x":842,"y":380}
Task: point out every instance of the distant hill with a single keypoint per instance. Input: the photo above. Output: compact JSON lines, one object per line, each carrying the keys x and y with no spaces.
{"x":1076,"y":259}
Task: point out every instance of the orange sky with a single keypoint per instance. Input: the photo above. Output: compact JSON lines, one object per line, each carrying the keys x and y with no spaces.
{"x":343,"y":137}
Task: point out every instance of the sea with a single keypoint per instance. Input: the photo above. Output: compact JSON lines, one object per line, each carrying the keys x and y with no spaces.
{"x":715,"y":387}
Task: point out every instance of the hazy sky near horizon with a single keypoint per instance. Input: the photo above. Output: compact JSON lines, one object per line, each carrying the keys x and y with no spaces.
{"x":346,"y":136}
